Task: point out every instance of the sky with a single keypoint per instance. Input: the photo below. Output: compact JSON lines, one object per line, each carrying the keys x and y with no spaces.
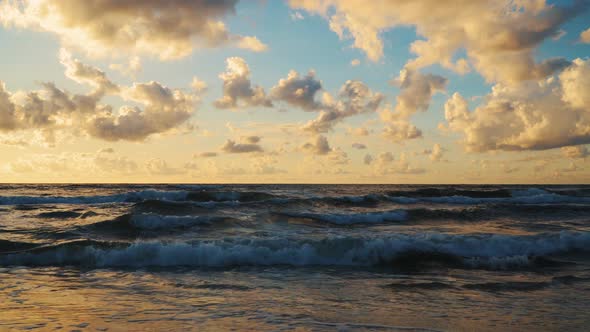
{"x":297,"y":91}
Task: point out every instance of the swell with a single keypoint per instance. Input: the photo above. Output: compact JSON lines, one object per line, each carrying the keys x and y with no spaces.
{"x":133,"y":222}
{"x":401,"y":251}
{"x":471,"y":213}
{"x":352,"y":218}
{"x":209,"y":199}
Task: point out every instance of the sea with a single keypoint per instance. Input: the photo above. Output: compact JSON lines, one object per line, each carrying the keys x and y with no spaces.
{"x":294,"y":257}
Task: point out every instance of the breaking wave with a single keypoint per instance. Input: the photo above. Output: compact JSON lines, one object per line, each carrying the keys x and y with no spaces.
{"x":152,"y":222}
{"x":128,"y":197}
{"x":398,"y":251}
{"x":213,"y":198}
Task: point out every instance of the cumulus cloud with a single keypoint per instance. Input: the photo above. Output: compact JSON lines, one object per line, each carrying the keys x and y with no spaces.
{"x":399,"y":131}
{"x":130,"y":69}
{"x":168,"y":29}
{"x":417,"y":90}
{"x":354,"y":98}
{"x":159,"y":166}
{"x":52,"y":110}
{"x":207,"y":154}
{"x":238,"y":90}
{"x":498,"y":37}
{"x":575,"y":152}
{"x":298,"y":91}
{"x":71,"y":165}
{"x":250,"y":146}
{"x":163,"y":110}
{"x":585,"y":36}
{"x":319,"y":146}
{"x":107,"y":162}
{"x":296,"y":16}
{"x":436,"y":153}
{"x":361,"y":132}
{"x":532,"y":115}
{"x":253,"y":139}
{"x":416,"y":93}
{"x":198,"y":86}
{"x":386,"y":164}
{"x":85,"y":74}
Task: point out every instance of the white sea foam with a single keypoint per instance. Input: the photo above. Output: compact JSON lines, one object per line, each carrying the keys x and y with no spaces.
{"x":491,"y":251}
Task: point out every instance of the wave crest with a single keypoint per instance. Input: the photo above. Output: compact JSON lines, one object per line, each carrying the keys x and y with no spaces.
{"x":471,"y":251}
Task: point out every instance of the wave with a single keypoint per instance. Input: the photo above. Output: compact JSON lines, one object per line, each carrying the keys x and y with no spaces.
{"x":224,"y":196}
{"x":494,"y":287}
{"x":11,"y":246}
{"x":397,"y":251}
{"x":59,"y":215}
{"x":152,"y":222}
{"x":354,"y":218}
{"x":213,"y":197}
{"x":442,"y":192}
{"x":128,"y":197}
{"x":527,"y":196}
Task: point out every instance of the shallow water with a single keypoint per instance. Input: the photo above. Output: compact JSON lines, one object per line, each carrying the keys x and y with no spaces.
{"x":284,"y":257}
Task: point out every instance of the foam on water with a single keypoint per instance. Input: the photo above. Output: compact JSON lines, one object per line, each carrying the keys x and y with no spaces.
{"x":489,"y":251}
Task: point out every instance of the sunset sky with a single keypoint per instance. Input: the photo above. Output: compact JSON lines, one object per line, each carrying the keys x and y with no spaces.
{"x":299,"y":91}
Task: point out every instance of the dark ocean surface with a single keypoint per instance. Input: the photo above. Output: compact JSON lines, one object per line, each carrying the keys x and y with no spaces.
{"x":294,"y":257}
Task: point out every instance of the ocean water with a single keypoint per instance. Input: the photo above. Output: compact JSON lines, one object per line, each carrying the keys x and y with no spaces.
{"x":294,"y":257}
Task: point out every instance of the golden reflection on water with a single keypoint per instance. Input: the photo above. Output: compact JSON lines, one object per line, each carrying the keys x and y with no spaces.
{"x":69,"y":299}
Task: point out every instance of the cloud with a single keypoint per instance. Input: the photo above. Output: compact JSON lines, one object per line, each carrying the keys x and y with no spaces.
{"x":73,"y":165}
{"x":319,"y":146}
{"x":252,"y":43}
{"x":585,"y":36}
{"x":238,"y":90}
{"x":338,"y":157}
{"x":354,"y":98}
{"x":233,"y":147}
{"x":159,"y":166}
{"x":498,"y":37}
{"x":198,"y":86}
{"x":296,"y":16}
{"x":52,"y":110}
{"x":355,"y":62}
{"x":85,"y":74}
{"x":164,"y":109}
{"x":399,"y":131}
{"x":530,"y":115}
{"x":106,"y":162}
{"x":253,"y":139}
{"x":264,"y":165}
{"x":106,"y":150}
{"x":575,"y":152}
{"x":298,"y":91}
{"x":167,"y":29}
{"x":417,"y":90}
{"x":359,"y":146}
{"x":208,"y":154}
{"x":360,"y":132}
{"x":436,"y":153}
{"x":386,"y":164}
{"x":130,"y":69}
